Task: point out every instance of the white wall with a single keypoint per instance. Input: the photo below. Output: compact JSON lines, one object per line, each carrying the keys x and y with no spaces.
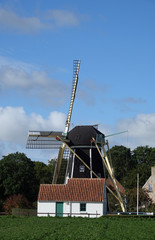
{"x":70,"y":208}
{"x":93,"y":209}
{"x":44,"y":208}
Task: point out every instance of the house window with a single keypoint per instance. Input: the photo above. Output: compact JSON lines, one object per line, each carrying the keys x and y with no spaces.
{"x":82,"y":168}
{"x":150,"y":188}
{"x":82,"y":207}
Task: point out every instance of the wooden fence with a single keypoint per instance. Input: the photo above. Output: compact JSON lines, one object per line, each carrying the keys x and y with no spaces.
{"x":24,"y":212}
{"x":69,"y":214}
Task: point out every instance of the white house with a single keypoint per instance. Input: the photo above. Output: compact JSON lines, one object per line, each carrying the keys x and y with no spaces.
{"x":150,"y":185}
{"x":79,"y":197}
{"x":84,"y":197}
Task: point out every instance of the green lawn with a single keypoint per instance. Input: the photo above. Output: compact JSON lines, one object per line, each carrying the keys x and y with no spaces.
{"x":44,"y":228}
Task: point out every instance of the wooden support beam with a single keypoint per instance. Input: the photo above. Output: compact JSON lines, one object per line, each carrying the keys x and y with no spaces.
{"x":110,"y":171}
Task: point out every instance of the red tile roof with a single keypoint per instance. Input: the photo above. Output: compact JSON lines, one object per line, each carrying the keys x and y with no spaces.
{"x":111,"y":186}
{"x":77,"y":189}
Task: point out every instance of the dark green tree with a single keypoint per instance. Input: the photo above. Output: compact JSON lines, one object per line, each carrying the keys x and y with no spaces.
{"x":144,"y":154}
{"x":51,"y":166}
{"x":17,"y":176}
{"x":61,"y":177}
{"x":144,"y":157}
{"x":43,"y":172}
{"x":122,"y":162}
{"x":127,"y":164}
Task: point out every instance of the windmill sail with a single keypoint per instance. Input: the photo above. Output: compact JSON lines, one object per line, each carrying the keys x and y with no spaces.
{"x":43,"y":140}
{"x":76,"y":67}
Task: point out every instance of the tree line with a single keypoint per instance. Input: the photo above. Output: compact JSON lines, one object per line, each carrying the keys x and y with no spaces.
{"x":20,"y":177}
{"x":127,"y":164}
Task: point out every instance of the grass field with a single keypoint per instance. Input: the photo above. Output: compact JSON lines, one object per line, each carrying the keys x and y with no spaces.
{"x":35,"y":228}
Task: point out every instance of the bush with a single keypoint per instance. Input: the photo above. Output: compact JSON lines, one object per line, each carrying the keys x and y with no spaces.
{"x":150,"y":208}
{"x":131,"y":195}
{"x":15,"y":201}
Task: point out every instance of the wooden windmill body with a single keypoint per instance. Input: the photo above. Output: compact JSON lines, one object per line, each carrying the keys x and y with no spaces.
{"x":80,"y":141}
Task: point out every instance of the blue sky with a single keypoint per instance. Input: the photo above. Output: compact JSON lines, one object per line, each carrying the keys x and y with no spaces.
{"x":39,"y":40}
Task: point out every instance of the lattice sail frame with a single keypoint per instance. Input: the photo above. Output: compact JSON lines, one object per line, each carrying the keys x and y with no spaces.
{"x":44,"y":140}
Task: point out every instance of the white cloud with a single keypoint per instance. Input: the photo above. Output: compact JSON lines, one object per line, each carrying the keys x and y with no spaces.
{"x":141,"y":130}
{"x":10,"y":62}
{"x":18,"y":78}
{"x":24,"y":78}
{"x":11,"y":77}
{"x":56,"y":121}
{"x":10,"y":20}
{"x":132,"y":132}
{"x":15,"y":123}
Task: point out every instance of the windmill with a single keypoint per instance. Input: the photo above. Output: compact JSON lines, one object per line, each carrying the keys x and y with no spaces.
{"x":83,"y":146}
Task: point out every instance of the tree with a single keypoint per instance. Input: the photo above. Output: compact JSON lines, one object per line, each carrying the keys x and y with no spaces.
{"x":122,"y":162}
{"x":52,"y":164}
{"x":127,"y":164}
{"x":144,"y":154}
{"x":113,"y":203}
{"x":144,"y":157}
{"x":150,"y":207}
{"x":61,"y":177}
{"x":43,"y":172}
{"x":131,"y":196}
{"x":17,"y":176}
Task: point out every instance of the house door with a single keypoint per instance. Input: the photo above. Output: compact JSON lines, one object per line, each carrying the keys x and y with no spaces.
{"x":59,"y":209}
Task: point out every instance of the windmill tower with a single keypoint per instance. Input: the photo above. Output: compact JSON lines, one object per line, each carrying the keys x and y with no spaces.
{"x":80,"y":142}
{"x":83,"y":147}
